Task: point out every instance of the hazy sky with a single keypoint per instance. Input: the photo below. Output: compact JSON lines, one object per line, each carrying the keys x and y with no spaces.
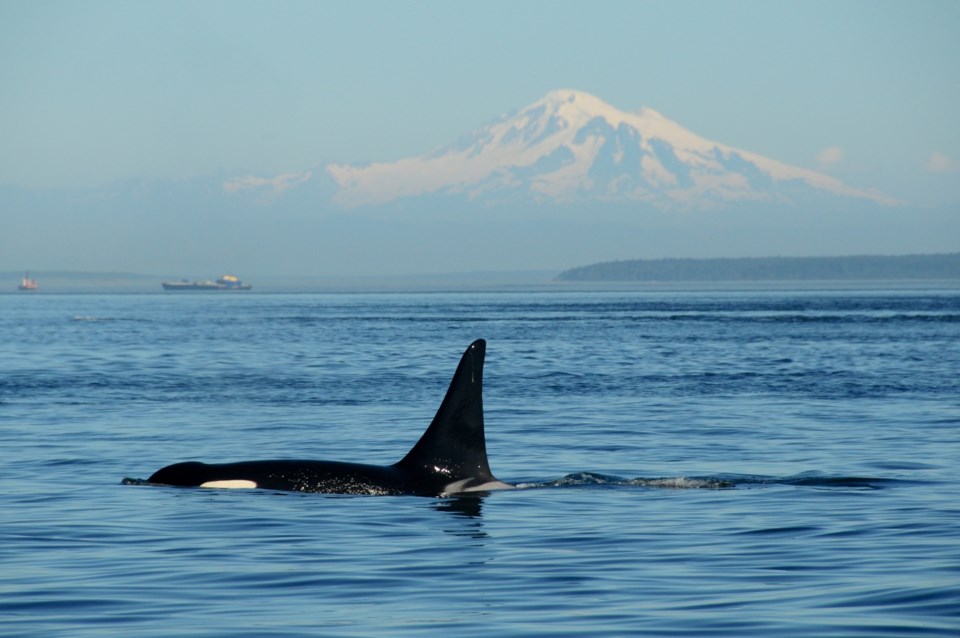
{"x":96,"y":91}
{"x":120,"y":120}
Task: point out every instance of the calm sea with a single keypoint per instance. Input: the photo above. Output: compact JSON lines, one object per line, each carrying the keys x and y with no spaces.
{"x":781,"y":463}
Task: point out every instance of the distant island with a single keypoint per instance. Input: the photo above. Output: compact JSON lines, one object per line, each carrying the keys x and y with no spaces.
{"x":860,"y":267}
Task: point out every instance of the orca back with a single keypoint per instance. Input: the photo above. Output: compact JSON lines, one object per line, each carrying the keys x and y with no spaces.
{"x":450,"y":457}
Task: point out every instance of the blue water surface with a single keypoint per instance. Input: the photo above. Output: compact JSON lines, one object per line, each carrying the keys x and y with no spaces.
{"x":723,"y":463}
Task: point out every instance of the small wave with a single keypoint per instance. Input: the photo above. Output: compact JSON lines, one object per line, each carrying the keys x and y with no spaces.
{"x":683,"y":483}
{"x":867,"y":482}
{"x":791,"y":530}
{"x":579,"y":479}
{"x":95,"y":319}
{"x":715,"y":482}
{"x":815,"y":479}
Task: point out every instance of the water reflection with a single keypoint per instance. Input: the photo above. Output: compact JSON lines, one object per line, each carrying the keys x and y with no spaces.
{"x":467,"y":509}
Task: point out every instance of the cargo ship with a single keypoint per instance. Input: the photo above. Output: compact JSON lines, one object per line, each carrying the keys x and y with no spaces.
{"x":227,"y":282}
{"x":27,"y":284}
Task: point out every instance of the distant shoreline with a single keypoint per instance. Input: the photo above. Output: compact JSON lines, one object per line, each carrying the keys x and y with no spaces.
{"x":772,"y":269}
{"x":779,"y":273}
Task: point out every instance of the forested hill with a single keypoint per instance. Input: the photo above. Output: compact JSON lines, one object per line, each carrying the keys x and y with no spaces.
{"x":940,"y":266}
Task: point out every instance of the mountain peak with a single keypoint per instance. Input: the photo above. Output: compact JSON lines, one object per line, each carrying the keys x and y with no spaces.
{"x":579,"y":107}
{"x":571,"y":146}
{"x":572,"y":101}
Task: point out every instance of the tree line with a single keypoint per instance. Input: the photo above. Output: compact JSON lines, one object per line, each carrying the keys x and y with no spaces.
{"x":937,"y":266}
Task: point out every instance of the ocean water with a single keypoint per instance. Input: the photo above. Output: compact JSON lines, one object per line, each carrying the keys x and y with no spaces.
{"x":760,"y":463}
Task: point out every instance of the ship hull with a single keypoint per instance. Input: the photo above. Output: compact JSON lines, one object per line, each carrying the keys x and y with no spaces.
{"x":196,"y":286}
{"x":226,"y":282}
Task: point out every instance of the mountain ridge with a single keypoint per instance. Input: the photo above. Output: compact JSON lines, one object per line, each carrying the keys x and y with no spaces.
{"x":570,"y":146}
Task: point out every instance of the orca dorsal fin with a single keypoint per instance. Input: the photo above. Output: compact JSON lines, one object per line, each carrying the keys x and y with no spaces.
{"x":454,"y":448}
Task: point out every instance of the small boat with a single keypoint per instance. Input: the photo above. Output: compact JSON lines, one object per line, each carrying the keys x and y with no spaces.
{"x":27,"y":284}
{"x":226,"y":282}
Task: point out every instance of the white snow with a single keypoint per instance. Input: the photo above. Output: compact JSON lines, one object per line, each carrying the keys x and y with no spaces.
{"x":554,"y":122}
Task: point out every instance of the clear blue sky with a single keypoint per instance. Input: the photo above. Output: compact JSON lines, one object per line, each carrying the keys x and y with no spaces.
{"x":96,"y":91}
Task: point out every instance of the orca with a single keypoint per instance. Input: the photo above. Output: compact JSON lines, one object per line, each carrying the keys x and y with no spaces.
{"x":450,"y":457}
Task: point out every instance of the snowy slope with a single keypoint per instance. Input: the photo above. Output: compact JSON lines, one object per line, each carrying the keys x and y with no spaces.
{"x":570,"y":146}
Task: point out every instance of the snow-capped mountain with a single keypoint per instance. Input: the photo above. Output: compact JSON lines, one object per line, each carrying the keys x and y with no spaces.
{"x":571,"y":147}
